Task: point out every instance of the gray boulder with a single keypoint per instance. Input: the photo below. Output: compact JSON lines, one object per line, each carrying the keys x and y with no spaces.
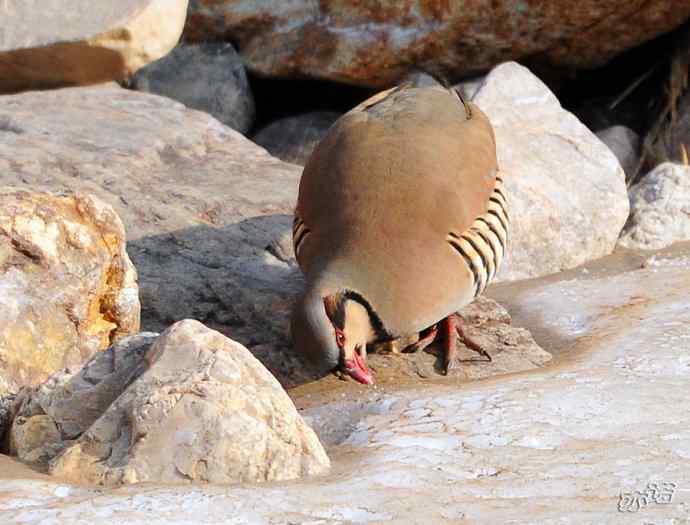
{"x":625,"y":145}
{"x":292,"y":139}
{"x":209,"y":77}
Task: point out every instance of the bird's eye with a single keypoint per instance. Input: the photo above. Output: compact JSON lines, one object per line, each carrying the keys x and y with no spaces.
{"x":339,"y":338}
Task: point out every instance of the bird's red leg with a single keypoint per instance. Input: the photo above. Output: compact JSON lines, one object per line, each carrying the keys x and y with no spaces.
{"x":424,"y":341}
{"x":450,"y":342}
{"x":454,"y":327}
{"x":469,"y":342}
{"x":450,"y":329}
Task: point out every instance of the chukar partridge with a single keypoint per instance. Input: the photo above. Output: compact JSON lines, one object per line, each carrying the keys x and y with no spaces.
{"x":401,"y":220}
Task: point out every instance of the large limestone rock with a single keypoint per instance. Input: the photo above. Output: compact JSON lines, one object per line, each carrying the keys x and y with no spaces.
{"x":50,"y":43}
{"x":204,"y":410}
{"x":660,"y":209}
{"x":566,"y":189}
{"x":209,"y":77}
{"x":377,"y":43}
{"x":67,"y":286}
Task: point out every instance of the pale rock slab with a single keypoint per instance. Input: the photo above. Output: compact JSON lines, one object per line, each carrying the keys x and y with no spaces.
{"x":52,"y":43}
{"x":67,"y":286}
{"x":205,"y":410}
{"x":378,"y":43}
{"x":660,"y":209}
{"x":209,"y":77}
{"x":566,"y":190}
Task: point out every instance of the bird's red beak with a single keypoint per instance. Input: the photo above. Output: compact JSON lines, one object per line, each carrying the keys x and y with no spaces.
{"x":357,"y":369}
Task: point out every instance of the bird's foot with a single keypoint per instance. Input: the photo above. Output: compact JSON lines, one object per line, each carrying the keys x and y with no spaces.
{"x":454,"y":327}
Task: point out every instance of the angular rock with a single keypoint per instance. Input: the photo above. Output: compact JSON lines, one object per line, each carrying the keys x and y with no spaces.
{"x":378,"y":43}
{"x":625,"y":145}
{"x":67,"y":286}
{"x":566,"y":190}
{"x":205,"y":410}
{"x":292,"y":139}
{"x":74,"y":400}
{"x":209,"y":77}
{"x":55,"y":43}
{"x":659,"y":209}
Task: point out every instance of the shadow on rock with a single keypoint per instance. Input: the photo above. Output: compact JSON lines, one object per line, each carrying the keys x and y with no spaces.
{"x":240,"y":279}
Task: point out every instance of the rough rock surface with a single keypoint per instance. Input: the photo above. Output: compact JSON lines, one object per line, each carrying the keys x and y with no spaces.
{"x":209,"y":77}
{"x":377,"y":43}
{"x":73,"y":400}
{"x":292,"y":139}
{"x":566,"y":190}
{"x":660,"y":209}
{"x":51,"y":43}
{"x":625,"y":145}
{"x":67,"y":286}
{"x":34,"y":439}
{"x":578,"y":442}
{"x":204,"y":410}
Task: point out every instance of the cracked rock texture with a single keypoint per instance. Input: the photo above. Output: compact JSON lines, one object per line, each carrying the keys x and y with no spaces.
{"x":52,"y":43}
{"x":67,"y":286}
{"x":660,"y":209}
{"x":204,"y":410}
{"x":561,"y":179}
{"x":377,"y":43}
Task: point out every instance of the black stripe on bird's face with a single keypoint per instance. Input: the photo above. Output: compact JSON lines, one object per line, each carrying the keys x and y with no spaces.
{"x":335,"y":309}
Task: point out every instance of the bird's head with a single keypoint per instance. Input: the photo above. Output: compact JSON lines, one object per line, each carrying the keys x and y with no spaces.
{"x":332,"y":331}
